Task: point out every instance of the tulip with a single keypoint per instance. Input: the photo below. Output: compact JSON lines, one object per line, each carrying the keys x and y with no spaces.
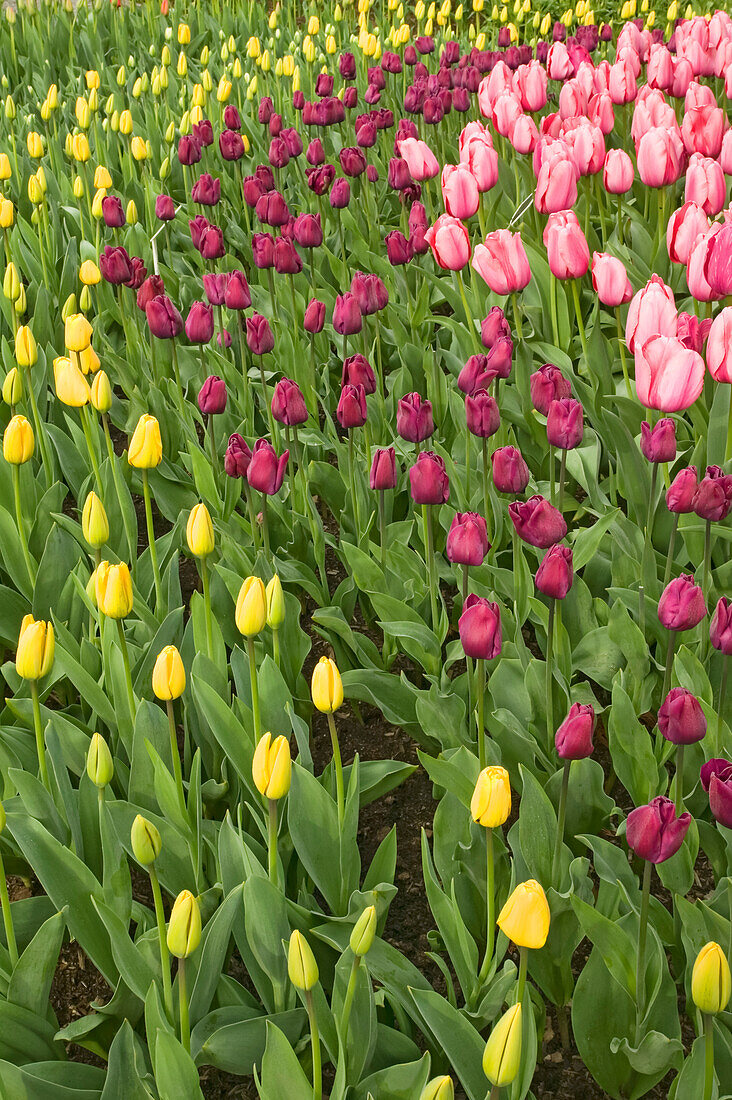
{"x":718,"y":268}
{"x":658,"y":444}
{"x":164,"y":320}
{"x":537,"y":522}
{"x":493,"y":327}
{"x":113,"y":590}
{"x":720,"y":627}
{"x":460,"y":191}
{"x":251,"y":607}
{"x":237,"y":457}
{"x":556,"y":185}
{"x":439,"y":1088}
{"x":357,"y":372}
{"x":199,"y":532}
{"x":554,"y":576}
{"x":212,"y":396}
{"x":610,"y":280}
{"x":711,"y":982}
{"x":573,"y":739}
{"x":272,"y":768}
{"x":184,"y":936}
{"x":77,"y":332}
{"x":200,"y":323}
{"x":301,"y":965}
{"x":660,"y":157}
{"x":99,"y":764}
{"x":145,"y":840}
{"x":548,"y":384}
{"x":480,"y":628}
{"x":169,"y":676}
{"x":681,"y":606}
{"x":414,"y":419}
{"x":652,"y":312}
{"x":510,"y":472}
{"x":713,"y":495}
{"x":266,"y":471}
{"x":288,"y":403}
{"x":314,"y":318}
{"x":352,"y":411}
{"x":490,"y":805}
{"x":428,"y":479}
{"x":719,"y":347}
{"x":421,"y":161}
{"x":13,"y":388}
{"x":383,"y":473}
{"x":525,"y":917}
{"x":450,"y":243}
{"x":502,"y":263}
{"x":94,"y":522}
{"x":18,"y":441}
{"x":716,"y":778}
{"x":467,"y":540}
{"x":502,"y":1054}
{"x":654,"y":832}
{"x":326,"y":689}
{"x":668,"y":376}
{"x":145,"y":449}
{"x":686,"y":227}
{"x":399,"y":250}
{"x":164,"y":208}
{"x":481,"y":413}
{"x":347,"y":318}
{"x":36,"y":647}
{"x":566,"y":245}
{"x":564,"y":424}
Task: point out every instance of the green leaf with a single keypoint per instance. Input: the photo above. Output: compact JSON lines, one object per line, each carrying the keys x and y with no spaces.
{"x":175,"y":1072}
{"x":233,"y":1039}
{"x":615,"y":946}
{"x":457,"y":1037}
{"x":282,"y":1074}
{"x":537,"y":828}
{"x":31,"y":979}
{"x":631,"y":749}
{"x":126,"y":1068}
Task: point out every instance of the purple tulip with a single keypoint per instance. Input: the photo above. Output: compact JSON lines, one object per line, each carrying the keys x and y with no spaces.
{"x":266,"y":470}
{"x":189,"y":149}
{"x":681,"y":606}
{"x":716,"y":777}
{"x":212,"y":396}
{"x":164,"y":320}
{"x":680,"y":493}
{"x":494,"y":326}
{"x":537,"y":521}
{"x":164,"y":208}
{"x":237,"y":457}
{"x":149,"y":289}
{"x":467,"y":539}
{"x":383,"y":473}
{"x":573,"y":739}
{"x":548,"y":384}
{"x":308,"y":231}
{"x":288,"y":403}
{"x":370,"y":292}
{"x":564,"y":424}
{"x":259,"y":335}
{"x":480,"y":628}
{"x":414,"y":418}
{"x":720,"y":628}
{"x":115,"y":265}
{"x":658,"y":444}
{"x":314,"y":318}
{"x":231,"y":145}
{"x":398,"y":249}
{"x":654,"y":832}
{"x":428,"y":480}
{"x":510,"y":472}
{"x":347,"y":319}
{"x":555,"y":575}
{"x":357,"y":372}
{"x":113,"y":212}
{"x":238,"y":295}
{"x":680,"y":718}
{"x":215,"y":284}
{"x":200,"y":323}
{"x":206,"y":191}
{"x":340,"y":194}
{"x":713,"y":497}
{"x":481,"y":413}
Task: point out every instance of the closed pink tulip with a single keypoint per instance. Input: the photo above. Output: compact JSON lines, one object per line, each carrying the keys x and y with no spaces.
{"x":697,"y":269}
{"x":610,"y":280}
{"x":481,"y":158}
{"x":556,"y":186}
{"x":685,"y":227}
{"x":725,"y":154}
{"x":618,"y":172}
{"x":566,"y":246}
{"x":587,"y":145}
{"x":660,"y":67}
{"x":524,"y":135}
{"x":703,"y":129}
{"x":502,"y":262}
{"x":600,"y":111}
{"x":622,"y":82}
{"x":719,"y":347}
{"x":448,"y":238}
{"x":683,"y":76}
{"x":421,"y":161}
{"x":668,"y":376}
{"x":506,"y":110}
{"x":705,"y":184}
{"x":558,"y":63}
{"x":460,"y":191}
{"x":652,"y":312}
{"x":660,"y":157}
{"x":529,"y":83}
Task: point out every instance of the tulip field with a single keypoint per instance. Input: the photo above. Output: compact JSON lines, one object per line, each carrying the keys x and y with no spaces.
{"x":365,"y":581}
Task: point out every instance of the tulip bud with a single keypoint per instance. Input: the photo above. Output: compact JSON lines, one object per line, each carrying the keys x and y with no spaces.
{"x":301,"y":964}
{"x":169,"y":675}
{"x":11,"y":283}
{"x":146,"y":447}
{"x":101,"y":392}
{"x":69,"y":308}
{"x":18,"y":441}
{"x":275,"y":603}
{"x":99,"y":765}
{"x":251,"y":607}
{"x":573,"y":739}
{"x":36,"y":647}
{"x":94,"y":522}
{"x":26,"y":350}
{"x":525,"y":916}
{"x":711,"y":983}
{"x":7,"y":213}
{"x":490,"y":805}
{"x":364,"y":931}
{"x":272,"y":767}
{"x":502,"y":1055}
{"x":77,"y":332}
{"x":199,"y":532}
{"x":654,"y":832}
{"x":89,"y":273}
{"x":113,"y":589}
{"x":184,"y":926}
{"x":13,"y":387}
{"x":326,"y":686}
{"x":146,"y":841}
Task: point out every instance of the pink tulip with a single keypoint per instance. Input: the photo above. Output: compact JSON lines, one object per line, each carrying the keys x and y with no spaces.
{"x":683,"y":75}
{"x":622,"y":83}
{"x":660,"y":67}
{"x":529,"y":82}
{"x":506,"y":110}
{"x":524,"y":135}
{"x":618,"y":173}
{"x":481,"y":158}
{"x":719,"y":347}
{"x":600,"y":111}
{"x":421,"y":161}
{"x":652,"y":312}
{"x":558,"y":63}
{"x":685,"y":227}
{"x":698,"y":267}
{"x":725,"y":155}
{"x":660,"y":157}
{"x":703,"y":129}
{"x":502,"y":262}
{"x":705,"y":184}
{"x":448,"y":238}
{"x":459,"y":191}
{"x":610,"y":280}
{"x":566,"y":246}
{"x":556,"y":185}
{"x":668,"y":376}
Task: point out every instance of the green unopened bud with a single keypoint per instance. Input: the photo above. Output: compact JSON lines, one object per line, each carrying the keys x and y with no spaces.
{"x":364,"y":930}
{"x":146,"y":842}
{"x":13,"y":387}
{"x":99,"y":764}
{"x":109,"y":105}
{"x":94,"y":522}
{"x":10,"y":111}
{"x":21,"y":302}
{"x":502,"y":1054}
{"x":165,"y":168}
{"x":170,"y":133}
{"x":69,"y":308}
{"x":439,"y":1088}
{"x":275,"y":603}
{"x":121,"y":75}
{"x":85,"y":299}
{"x":301,"y":964}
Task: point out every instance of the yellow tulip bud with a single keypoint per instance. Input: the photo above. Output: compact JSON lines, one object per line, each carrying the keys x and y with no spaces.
{"x":165,"y":55}
{"x":184,"y":34}
{"x":184,"y":927}
{"x":711,"y":982}
{"x":94,"y":522}
{"x":491,"y":802}
{"x":502,"y":1055}
{"x":254,"y":48}
{"x":199,"y":532}
{"x":138,"y":148}
{"x":34,"y":142}
{"x":113,"y":589}
{"x":20,"y":302}
{"x":78,"y":187}
{"x":131,"y":212}
{"x":121,"y":76}
{"x":7,"y":213}
{"x":36,"y":646}
{"x":77,"y":332}
{"x":97,"y":202}
{"x":301,"y":964}
{"x":89,"y":273}
{"x":205,"y":55}
{"x":272,"y":21}
{"x":26,"y":350}
{"x":182,"y":67}
{"x":69,"y":309}
{"x":99,"y":764}
{"x":137,"y":88}
{"x":223,"y":91}
{"x":52,"y":97}
{"x":326,"y":686}
{"x":251,"y":607}
{"x":11,"y":282}
{"x":206,"y":81}
{"x":88,"y":360}
{"x":101,"y":393}
{"x":364,"y":931}
{"x":275,"y":603}
{"x":525,"y":916}
{"x":92,"y":79}
{"x":13,"y":387}
{"x":146,"y":841}
{"x":83,"y":114}
{"x":272,"y":767}
{"x":169,"y":675}
{"x":10,"y":111}
{"x":439,"y":1088}
{"x":5,"y":172}
{"x":35,"y":191}
{"x":314,"y":25}
{"x":80,"y":148}
{"x":72,"y":388}
{"x":146,"y":447}
{"x":288,"y":65}
{"x":236,"y":69}
{"x":125,"y":123}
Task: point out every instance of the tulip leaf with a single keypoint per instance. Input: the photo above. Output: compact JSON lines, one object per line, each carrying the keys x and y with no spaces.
{"x":130,"y":961}
{"x":30,"y":982}
{"x":125,"y":1068}
{"x":88,"y":688}
{"x":537,"y":828}
{"x":282,"y":1074}
{"x":614,"y":945}
{"x":656,"y":1053}
{"x":26,"y":1036}
{"x":631,"y":749}
{"x":175,"y":1071}
{"x":209,"y":960}
{"x":233,"y":1039}
{"x":457,"y":1038}
{"x":53,"y":1081}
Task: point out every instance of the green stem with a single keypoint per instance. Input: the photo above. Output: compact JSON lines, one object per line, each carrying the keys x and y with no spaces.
{"x":151,"y":543}
{"x":429,"y":553}
{"x":176,"y":372}
{"x":272,"y":840}
{"x":265,"y":528}
{"x":707,"y":577}
{"x":162,"y":942}
{"x":40,"y":741}
{"x":553,"y":308}
{"x":338,"y":766}
{"x":523,"y":966}
{"x":561,"y":818}
{"x":517,"y":316}
{"x":207,"y":607}
{"x":718,"y":742}
{"x":255,"y":690}
{"x":669,"y":663}
{"x":562,"y":478}
{"x":352,"y":485}
{"x":550,"y":673}
{"x":382,"y":528}
{"x":29,"y":563}
{"x":620,"y":218}
{"x":128,"y":673}
{"x":84,"y":414}
{"x":670,"y":554}
{"x":708,"y":1056}
{"x":252,"y":517}
{"x":481,"y":713}
{"x":348,"y":1000}
{"x":116,"y":477}
{"x":729,"y":901}
{"x":623,"y":359}
{"x":7,"y":917}
{"x":679,"y":781}
{"x":468,"y":315}
{"x":578,"y":315}
{"x":486,"y":492}
{"x":175,"y":754}
{"x":640,"y":973}
{"x":490,"y":905}
{"x":315,"y":1044}
{"x":39,"y":429}
{"x":185,"y":1027}
{"x":467,"y":465}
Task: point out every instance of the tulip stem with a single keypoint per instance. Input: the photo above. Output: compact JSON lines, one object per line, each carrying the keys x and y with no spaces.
{"x":348,"y":999}
{"x":255,"y":690}
{"x":718,"y":742}
{"x":578,"y":315}
{"x":517,"y":316}
{"x":468,"y":315}
{"x":164,"y":955}
{"x":621,"y":346}
{"x":265,"y":528}
{"x":151,"y":542}
{"x":670,"y":554}
{"x":562,"y":478}
{"x":495,"y":1093}
{"x":29,"y":564}
{"x":128,"y":673}
{"x":250,"y":513}
{"x":620,"y":219}
{"x":481,"y":713}
{"x":352,"y":485}
{"x":338,"y":767}
{"x":486,"y":492}
{"x":561,"y":818}
{"x":640,"y":973}
{"x":207,"y":607}
{"x":84,"y":414}
{"x":382,"y":528}
{"x":553,"y":307}
{"x":669,"y":664}
{"x":39,"y":429}
{"x":706,"y":581}
{"x":708,"y":1056}
{"x":523,"y":966}
{"x":40,"y":742}
{"x":490,"y":904}
{"x":679,"y":779}
{"x":176,"y":372}
{"x":175,"y":754}
{"x":430,"y":555}
{"x":272,"y":840}
{"x":467,"y":466}
{"x":185,"y":1026}
{"x":315,"y":1044}
{"x":131,"y":540}
{"x":7,"y":917}
{"x":550,"y":672}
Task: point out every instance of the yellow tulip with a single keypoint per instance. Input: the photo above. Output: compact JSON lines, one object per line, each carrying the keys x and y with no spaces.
{"x":146,"y":447}
{"x":125,"y":123}
{"x":184,"y":927}
{"x":80,"y":148}
{"x":94,"y":522}
{"x":5,"y":171}
{"x":275,"y":603}
{"x":89,"y":273}
{"x":18,"y":441}
{"x":502,"y":1055}
{"x":272,"y":767}
{"x":146,"y":841}
{"x":301,"y":965}
{"x":525,"y":916}
{"x":711,"y":983}
{"x":326,"y":686}
{"x":34,"y":142}
{"x":169,"y":675}
{"x":138,"y":148}
{"x":26,"y":350}
{"x":99,"y":764}
{"x":199,"y":532}
{"x":184,"y":34}
{"x":7,"y":213}
{"x":113,"y":589}
{"x":101,"y":392}
{"x":439,"y":1088}
{"x":11,"y":282}
{"x":251,"y":607}
{"x":13,"y":387}
{"x":364,"y":931}
{"x":491,"y":802}
{"x":77,"y":332}
{"x":72,"y":388}
{"x":36,"y":646}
